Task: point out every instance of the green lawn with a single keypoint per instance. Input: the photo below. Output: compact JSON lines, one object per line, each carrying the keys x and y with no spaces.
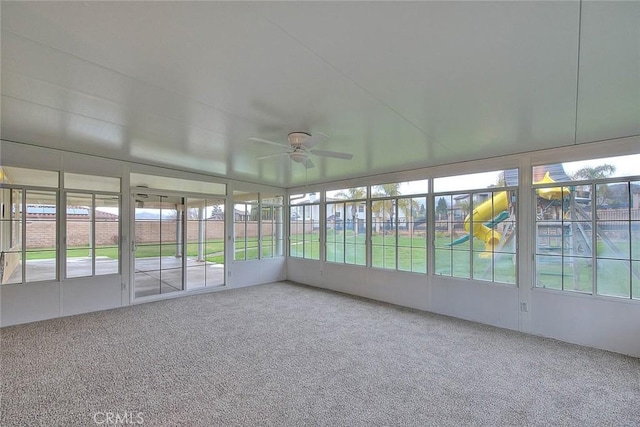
{"x":614,"y":277}
{"x":411,"y":256}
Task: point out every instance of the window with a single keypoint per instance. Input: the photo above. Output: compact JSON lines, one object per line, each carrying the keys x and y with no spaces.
{"x":271,"y":226}
{"x":93,"y":234}
{"x":246,"y":214}
{"x":399,"y":226}
{"x":346,"y":226}
{"x":588,"y":226}
{"x":476,"y":228}
{"x":92,"y":216}
{"x":259,"y":226}
{"x":304,"y":225}
{"x":205,"y":242}
{"x":28,"y":225}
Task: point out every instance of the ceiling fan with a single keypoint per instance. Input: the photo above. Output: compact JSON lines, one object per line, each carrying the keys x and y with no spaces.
{"x":301,"y":147}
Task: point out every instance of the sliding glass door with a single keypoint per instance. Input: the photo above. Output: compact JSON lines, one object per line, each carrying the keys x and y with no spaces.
{"x":158,"y":246}
{"x":179,"y":243}
{"x":205,"y":242}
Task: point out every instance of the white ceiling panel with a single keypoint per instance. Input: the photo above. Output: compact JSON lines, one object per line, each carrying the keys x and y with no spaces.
{"x":609,"y":97}
{"x":398,"y":84}
{"x":488,"y":74}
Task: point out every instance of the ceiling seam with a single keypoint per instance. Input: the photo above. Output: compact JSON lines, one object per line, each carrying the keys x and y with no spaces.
{"x":396,"y":112}
{"x":575,"y":129}
{"x":146,"y":111}
{"x":153,"y":85}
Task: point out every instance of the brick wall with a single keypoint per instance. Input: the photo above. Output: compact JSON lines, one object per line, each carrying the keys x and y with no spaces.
{"x":41,"y":233}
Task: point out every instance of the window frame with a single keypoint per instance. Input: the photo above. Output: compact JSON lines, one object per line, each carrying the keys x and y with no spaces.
{"x":24,"y":190}
{"x":510,"y":192}
{"x":594,"y":259}
{"x":94,"y":195}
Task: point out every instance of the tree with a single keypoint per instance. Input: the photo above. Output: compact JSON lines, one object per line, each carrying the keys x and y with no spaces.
{"x":385,"y":205}
{"x":597,"y":172}
{"x":464,"y":206}
{"x":353,"y":194}
{"x":442,"y":208}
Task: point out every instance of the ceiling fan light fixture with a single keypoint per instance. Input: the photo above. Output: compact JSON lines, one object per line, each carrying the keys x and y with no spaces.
{"x":298,"y":157}
{"x":296,"y":139}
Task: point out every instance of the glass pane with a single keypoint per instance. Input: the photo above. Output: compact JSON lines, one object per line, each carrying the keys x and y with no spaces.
{"x":613,"y":277}
{"x":10,"y":220}
{"x":107,"y":260}
{"x":11,"y":267}
{"x":635,"y":277}
{"x":251,"y":247}
{"x":147,"y":269}
{"x":271,"y":199}
{"x":41,"y":205}
{"x":590,"y":169}
{"x":613,"y":240}
{"x":353,"y":193}
{"x":504,"y":265}
{"x":278,"y":232}
{"x":476,"y":180}
{"x":205,"y":248}
{"x":170,"y":224}
{"x":91,"y":182}
{"x":635,"y":240}
{"x":301,"y":199}
{"x":443,"y":264}
{"x":41,"y":235}
{"x":389,"y":257}
{"x":79,"y":262}
{"x":170,"y":269}
{"x":578,"y":239}
{"x":29,"y":177}
{"x":335,"y":232}
{"x":158,"y":256}
{"x":483,"y":265}
{"x":79,"y":211}
{"x":107,"y":239}
{"x":461,"y":264}
{"x":411,"y":230}
{"x":549,"y":271}
{"x":401,"y":188}
{"x":41,"y":265}
{"x":176,"y":184}
{"x":577,"y":274}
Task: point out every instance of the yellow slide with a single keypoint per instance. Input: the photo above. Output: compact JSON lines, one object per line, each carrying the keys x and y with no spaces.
{"x":483,"y":213}
{"x":491,"y":208}
{"x":553,"y":193}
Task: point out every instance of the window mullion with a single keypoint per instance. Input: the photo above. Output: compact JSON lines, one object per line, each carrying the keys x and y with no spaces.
{"x":24,"y":235}
{"x":93,"y":234}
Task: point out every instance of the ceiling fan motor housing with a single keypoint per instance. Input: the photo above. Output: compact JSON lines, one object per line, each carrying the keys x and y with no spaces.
{"x":296,"y":139}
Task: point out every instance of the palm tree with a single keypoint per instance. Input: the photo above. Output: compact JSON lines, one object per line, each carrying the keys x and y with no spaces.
{"x":384,"y":205}
{"x":593,"y":173}
{"x":355,"y":193}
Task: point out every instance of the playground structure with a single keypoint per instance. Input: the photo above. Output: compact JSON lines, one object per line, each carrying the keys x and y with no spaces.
{"x":485,"y":223}
{"x":562,"y":225}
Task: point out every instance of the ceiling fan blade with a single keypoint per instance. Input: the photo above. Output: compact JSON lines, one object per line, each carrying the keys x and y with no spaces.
{"x":268,"y":156}
{"x":266,"y":141}
{"x":309,"y":164}
{"x":334,"y":154}
{"x":317,"y":138}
